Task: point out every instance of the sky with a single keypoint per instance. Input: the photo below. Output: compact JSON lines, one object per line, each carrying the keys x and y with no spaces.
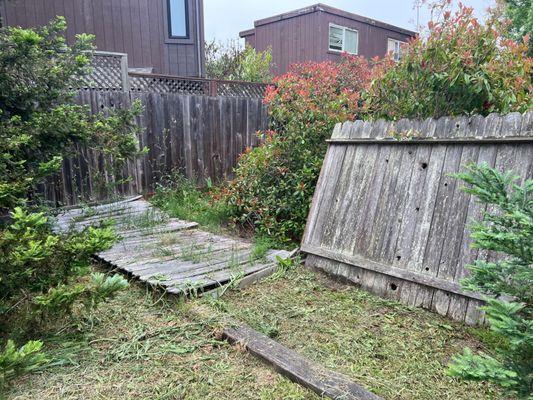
{"x":224,"y":19}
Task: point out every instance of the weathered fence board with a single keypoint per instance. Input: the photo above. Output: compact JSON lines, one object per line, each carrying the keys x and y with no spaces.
{"x":388,"y":215}
{"x":199,"y":135}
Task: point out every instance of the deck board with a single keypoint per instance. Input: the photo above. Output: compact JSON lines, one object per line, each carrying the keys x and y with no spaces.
{"x":173,"y":254}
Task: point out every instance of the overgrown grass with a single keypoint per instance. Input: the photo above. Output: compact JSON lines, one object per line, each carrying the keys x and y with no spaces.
{"x":393,"y":350}
{"x":182,"y":199}
{"x":143,"y":346}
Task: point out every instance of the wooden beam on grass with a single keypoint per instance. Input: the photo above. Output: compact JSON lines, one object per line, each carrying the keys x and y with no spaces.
{"x":297,"y":368}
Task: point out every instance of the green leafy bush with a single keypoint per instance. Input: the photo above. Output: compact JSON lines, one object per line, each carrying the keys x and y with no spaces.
{"x":274,"y":183}
{"x":15,"y":362}
{"x":40,"y":273}
{"x":232,"y":62}
{"x":38,"y":122}
{"x":520,"y":15}
{"x":507,"y":228}
{"x":43,"y":283}
{"x":462,"y":67}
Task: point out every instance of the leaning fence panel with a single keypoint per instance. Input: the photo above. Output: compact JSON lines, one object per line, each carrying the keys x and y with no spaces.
{"x":388,"y":215}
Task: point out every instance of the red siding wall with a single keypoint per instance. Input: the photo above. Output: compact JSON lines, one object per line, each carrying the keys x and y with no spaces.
{"x":136,"y":27}
{"x":305,"y":38}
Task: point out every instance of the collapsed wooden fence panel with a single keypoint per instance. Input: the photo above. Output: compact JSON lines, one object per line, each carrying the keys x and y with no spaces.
{"x":388,"y":215}
{"x":201,"y":136}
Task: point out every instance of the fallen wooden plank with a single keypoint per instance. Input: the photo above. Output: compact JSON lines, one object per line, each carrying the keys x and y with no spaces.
{"x":297,"y":368}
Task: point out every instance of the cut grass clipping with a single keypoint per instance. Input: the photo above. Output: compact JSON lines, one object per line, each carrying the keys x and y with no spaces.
{"x":145,"y":347}
{"x":392,"y":350}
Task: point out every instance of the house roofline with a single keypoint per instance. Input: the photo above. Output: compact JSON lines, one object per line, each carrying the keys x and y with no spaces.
{"x":248,"y":32}
{"x":319,"y":7}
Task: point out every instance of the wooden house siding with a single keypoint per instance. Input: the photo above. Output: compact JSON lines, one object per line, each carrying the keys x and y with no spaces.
{"x":302,"y":35}
{"x":136,"y":27}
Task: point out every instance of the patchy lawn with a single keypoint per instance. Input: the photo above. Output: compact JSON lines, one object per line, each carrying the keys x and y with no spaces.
{"x":144,"y":347}
{"x":395,"y":351}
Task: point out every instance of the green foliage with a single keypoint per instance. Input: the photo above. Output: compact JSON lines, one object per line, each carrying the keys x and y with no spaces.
{"x":520,"y":13}
{"x":462,"y":67}
{"x":38,"y":122}
{"x":15,"y":362}
{"x":40,"y":273}
{"x":507,"y":227}
{"x":274,"y":183}
{"x":34,"y":259}
{"x":232,"y":62}
{"x":182,"y":199}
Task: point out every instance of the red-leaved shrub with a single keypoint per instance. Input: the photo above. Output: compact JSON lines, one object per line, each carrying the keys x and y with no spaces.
{"x":462,"y":67}
{"x":274,"y":183}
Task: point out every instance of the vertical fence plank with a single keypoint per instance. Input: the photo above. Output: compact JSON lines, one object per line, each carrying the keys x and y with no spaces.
{"x":390,"y":216}
{"x":198,"y":135}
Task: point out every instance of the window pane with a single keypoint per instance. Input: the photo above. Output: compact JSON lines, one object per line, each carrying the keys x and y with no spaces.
{"x":178,"y":18}
{"x":351,"y":42}
{"x":391,"y":46}
{"x":335,"y":38}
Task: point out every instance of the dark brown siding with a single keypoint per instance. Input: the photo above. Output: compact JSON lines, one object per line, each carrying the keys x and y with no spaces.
{"x":372,"y":39}
{"x":305,"y":38}
{"x":136,"y":27}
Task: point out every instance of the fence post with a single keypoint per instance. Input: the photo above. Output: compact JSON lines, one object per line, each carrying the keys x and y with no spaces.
{"x":213,"y":88}
{"x":124,"y":73}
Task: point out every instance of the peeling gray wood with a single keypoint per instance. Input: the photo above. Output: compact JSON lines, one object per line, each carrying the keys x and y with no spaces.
{"x":394,"y":204}
{"x":167,"y":252}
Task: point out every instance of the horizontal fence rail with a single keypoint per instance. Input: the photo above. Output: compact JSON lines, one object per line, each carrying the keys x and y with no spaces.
{"x":200,"y":136}
{"x":110,"y":73}
{"x":388,"y":215}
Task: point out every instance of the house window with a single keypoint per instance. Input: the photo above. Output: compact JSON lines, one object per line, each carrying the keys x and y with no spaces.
{"x":394,"y":47}
{"x":343,"y":39}
{"x":177,"y":19}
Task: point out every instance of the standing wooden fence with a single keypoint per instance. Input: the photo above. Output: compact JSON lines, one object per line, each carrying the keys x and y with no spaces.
{"x":387,"y":215}
{"x":202,"y":136}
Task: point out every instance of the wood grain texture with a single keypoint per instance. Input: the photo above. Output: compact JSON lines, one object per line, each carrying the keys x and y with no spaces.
{"x":138,"y":28}
{"x":166,"y":252}
{"x":297,"y":368}
{"x":388,"y":215}
{"x":199,"y":136}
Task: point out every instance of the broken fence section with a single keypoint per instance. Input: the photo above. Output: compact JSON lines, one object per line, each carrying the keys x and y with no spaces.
{"x":388,"y":215}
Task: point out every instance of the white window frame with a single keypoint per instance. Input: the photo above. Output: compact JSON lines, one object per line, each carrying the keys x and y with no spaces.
{"x":396,"y":56}
{"x":344,"y":29}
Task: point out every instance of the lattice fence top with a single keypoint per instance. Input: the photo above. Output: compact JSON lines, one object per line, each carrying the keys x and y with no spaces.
{"x":107,"y":72}
{"x":110,"y":73}
{"x":167,"y":84}
{"x":241,"y":89}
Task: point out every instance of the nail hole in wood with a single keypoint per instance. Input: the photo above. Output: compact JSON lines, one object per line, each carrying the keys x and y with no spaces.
{"x":393,"y":286}
{"x":424,"y":165}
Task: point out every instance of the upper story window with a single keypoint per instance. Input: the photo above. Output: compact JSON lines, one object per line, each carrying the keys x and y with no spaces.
{"x":177,"y":19}
{"x":343,"y":39}
{"x":394,"y":47}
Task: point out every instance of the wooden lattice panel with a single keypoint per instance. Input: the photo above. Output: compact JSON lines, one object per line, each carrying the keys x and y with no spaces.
{"x":241,"y":89}
{"x":161,"y":84}
{"x":106,"y":73}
